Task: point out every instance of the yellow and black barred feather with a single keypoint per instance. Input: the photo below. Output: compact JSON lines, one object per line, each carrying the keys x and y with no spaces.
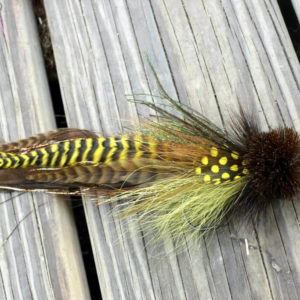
{"x":109,"y":160}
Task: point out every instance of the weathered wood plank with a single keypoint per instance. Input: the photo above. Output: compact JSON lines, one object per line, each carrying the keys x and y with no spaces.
{"x":42,"y":258}
{"x":296,"y":6}
{"x":212,"y":55}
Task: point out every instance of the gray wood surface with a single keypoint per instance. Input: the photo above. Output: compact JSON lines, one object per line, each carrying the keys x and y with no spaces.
{"x":42,"y":258}
{"x":296,"y":5}
{"x":210,"y":54}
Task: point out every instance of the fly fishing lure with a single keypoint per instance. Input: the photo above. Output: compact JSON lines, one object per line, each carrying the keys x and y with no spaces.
{"x":175,"y":174}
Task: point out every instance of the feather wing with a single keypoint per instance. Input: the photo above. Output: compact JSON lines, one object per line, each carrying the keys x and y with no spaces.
{"x":44,"y":139}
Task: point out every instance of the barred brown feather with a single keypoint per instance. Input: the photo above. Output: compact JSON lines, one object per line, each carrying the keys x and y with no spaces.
{"x":43,"y":139}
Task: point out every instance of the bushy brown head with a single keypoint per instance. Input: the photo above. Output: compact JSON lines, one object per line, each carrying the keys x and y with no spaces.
{"x":273,"y":161}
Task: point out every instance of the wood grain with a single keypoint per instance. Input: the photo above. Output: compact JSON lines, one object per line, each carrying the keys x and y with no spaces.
{"x":296,"y":6}
{"x":41,"y":259}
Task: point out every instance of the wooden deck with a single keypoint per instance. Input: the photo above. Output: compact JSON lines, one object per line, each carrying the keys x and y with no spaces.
{"x":210,"y":54}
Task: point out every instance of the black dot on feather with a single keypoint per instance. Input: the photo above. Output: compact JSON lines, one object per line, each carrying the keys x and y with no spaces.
{"x":273,"y":163}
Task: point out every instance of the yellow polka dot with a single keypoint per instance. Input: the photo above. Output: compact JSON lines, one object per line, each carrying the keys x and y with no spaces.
{"x":206,"y":178}
{"x":223,"y":160}
{"x":217,"y":181}
{"x":245,"y":171}
{"x":204,"y":160}
{"x":237,"y":177}
{"x":235,"y":155}
{"x":225,"y":175}
{"x":234,"y":168}
{"x":214,"y":152}
{"x":215,"y":169}
{"x":244,"y":162}
{"x":198,"y":171}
